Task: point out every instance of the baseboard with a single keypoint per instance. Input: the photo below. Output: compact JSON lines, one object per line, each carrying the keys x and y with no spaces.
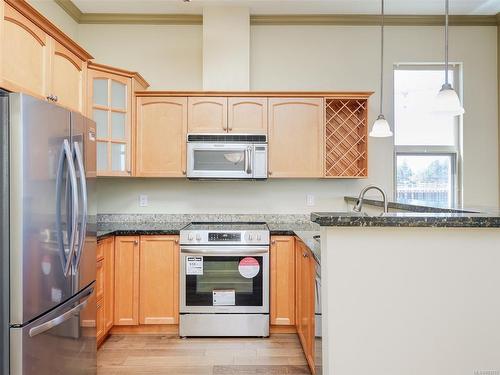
{"x":282,"y":329}
{"x":149,"y":329}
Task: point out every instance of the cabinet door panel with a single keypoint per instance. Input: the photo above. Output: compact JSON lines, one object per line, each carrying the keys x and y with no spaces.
{"x":24,"y":53}
{"x":161,"y":137}
{"x":67,"y":78}
{"x":282,"y":283}
{"x":296,"y":124}
{"x":109,"y":282}
{"x":99,"y":280}
{"x":126,"y":280}
{"x":207,"y":115}
{"x":247,"y":115}
{"x":99,"y":321}
{"x":159,"y":280}
{"x":305,"y":301}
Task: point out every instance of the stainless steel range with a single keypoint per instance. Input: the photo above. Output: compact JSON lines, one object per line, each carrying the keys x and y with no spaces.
{"x":224,"y":285}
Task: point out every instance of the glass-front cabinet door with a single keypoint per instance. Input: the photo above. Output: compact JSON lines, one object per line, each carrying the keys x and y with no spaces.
{"x":110,"y":109}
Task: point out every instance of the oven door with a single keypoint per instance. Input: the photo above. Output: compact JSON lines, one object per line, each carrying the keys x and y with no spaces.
{"x":219,"y":160}
{"x":224,"y":279}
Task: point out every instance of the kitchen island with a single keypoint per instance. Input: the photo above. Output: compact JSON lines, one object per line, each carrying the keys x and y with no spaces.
{"x":410,"y":293}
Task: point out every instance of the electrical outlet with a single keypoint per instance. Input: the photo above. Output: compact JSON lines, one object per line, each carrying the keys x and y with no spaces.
{"x":310,"y":200}
{"x":143,"y":200}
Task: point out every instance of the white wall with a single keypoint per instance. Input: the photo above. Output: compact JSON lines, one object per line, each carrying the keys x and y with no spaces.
{"x":424,"y":302}
{"x":167,"y":56}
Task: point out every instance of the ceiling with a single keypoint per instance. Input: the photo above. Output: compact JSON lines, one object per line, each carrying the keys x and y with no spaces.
{"x":401,"y":7}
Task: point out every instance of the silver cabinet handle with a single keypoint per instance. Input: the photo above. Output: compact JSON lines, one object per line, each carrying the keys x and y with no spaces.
{"x":59,"y":320}
{"x":83,"y":185}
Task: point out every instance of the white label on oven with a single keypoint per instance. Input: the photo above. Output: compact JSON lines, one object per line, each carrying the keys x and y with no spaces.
{"x":194,"y":265}
{"x":224,"y":297}
{"x":249,"y":267}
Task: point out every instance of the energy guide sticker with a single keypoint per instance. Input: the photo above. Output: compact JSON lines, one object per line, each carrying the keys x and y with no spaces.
{"x":194,"y":265}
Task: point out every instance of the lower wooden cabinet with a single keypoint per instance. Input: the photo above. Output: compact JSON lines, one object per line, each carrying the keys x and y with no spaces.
{"x":104,"y":291}
{"x":159,"y":280}
{"x":282,"y":280}
{"x":146,"y":280}
{"x":126,"y":280}
{"x":305,"y":300}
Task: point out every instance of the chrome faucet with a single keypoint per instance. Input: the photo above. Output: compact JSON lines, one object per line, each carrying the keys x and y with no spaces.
{"x":359,"y":203}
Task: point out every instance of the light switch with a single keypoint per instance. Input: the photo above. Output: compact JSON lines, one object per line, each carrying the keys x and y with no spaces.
{"x":143,"y":200}
{"x":310,"y":200}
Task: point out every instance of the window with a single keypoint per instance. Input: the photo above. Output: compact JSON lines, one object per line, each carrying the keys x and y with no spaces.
{"x":427,"y":145}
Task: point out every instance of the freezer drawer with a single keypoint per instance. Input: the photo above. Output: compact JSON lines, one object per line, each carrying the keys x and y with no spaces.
{"x":60,"y":342}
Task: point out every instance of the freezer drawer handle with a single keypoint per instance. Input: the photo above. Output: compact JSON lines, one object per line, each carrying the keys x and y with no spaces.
{"x":59,"y":320}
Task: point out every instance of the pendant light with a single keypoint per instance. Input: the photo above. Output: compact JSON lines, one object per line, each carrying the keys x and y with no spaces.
{"x":447,"y":101}
{"x":381,"y":128}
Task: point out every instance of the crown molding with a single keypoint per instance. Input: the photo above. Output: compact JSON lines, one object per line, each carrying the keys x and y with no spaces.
{"x":372,"y":20}
{"x":141,"y":19}
{"x":277,"y":20}
{"x":69,"y":7}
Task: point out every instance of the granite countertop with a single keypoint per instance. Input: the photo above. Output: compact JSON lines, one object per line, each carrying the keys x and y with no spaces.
{"x":426,"y":207}
{"x":304,"y":230}
{"x":407,"y":219}
{"x":138,"y":228}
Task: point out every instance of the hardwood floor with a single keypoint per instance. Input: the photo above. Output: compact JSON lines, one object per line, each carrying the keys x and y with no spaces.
{"x":281,"y":354}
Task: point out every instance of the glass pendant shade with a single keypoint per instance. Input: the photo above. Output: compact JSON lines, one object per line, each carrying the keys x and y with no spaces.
{"x":381,"y":128}
{"x":448,"y":102}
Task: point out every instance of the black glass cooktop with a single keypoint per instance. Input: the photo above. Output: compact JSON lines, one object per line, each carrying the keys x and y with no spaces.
{"x":231,"y":226}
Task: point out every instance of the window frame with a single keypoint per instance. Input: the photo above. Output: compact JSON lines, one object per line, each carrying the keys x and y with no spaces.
{"x":455,"y":151}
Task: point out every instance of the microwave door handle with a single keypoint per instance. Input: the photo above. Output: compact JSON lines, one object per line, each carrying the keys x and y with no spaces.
{"x":248,"y":161}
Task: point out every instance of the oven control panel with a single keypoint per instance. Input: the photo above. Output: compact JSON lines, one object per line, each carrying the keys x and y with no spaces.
{"x":222,"y":236}
{"x":250,"y":237}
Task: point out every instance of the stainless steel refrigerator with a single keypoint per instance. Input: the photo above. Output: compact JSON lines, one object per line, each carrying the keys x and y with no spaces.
{"x":48,"y":238}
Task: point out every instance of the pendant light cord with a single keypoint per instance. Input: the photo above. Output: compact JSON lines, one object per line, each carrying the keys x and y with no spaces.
{"x":382,"y":61}
{"x":447,"y":9}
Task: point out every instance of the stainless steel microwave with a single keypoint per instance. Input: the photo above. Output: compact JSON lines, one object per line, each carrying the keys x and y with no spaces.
{"x":226,"y":156}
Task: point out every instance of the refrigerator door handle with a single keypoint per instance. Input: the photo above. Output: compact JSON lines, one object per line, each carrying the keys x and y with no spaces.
{"x":67,"y":154}
{"x":83,"y":184}
{"x":60,"y":319}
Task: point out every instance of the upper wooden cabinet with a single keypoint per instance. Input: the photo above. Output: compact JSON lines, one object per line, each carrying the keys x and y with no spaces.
{"x":207,"y":115}
{"x":38,"y":59}
{"x":346,"y":137}
{"x":110,"y":105}
{"x":296,"y":124}
{"x":159,"y":280}
{"x":68,"y":78}
{"x":327,"y":132}
{"x":282,"y":280}
{"x":161,"y":137}
{"x":247,"y":115}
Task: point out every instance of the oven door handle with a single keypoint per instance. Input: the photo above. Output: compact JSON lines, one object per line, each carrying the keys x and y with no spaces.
{"x":233,"y":250}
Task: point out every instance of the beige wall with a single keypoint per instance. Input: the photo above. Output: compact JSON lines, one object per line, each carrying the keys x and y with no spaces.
{"x":169,"y":57}
{"x":305,"y":58}
{"x":226,"y":48}
{"x":57,"y":16}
